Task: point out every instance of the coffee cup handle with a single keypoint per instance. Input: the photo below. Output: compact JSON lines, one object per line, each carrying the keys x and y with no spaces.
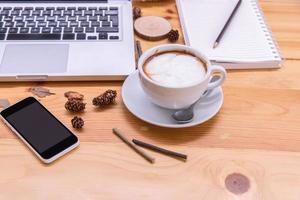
{"x":220,"y":71}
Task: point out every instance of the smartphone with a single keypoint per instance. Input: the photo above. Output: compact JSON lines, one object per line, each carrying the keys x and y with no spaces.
{"x":45,"y":135}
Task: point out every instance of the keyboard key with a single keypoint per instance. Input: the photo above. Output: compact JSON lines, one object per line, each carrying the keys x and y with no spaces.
{"x":81,"y":8}
{"x":71,"y":8}
{"x":78,"y":12}
{"x":103,"y":8}
{"x":115,"y":21}
{"x":60,"y":8}
{"x":50,"y":8}
{"x":68,"y":30}
{"x":50,"y":18}
{"x":20,"y":24}
{"x":42,"y":18}
{"x":63,"y":18}
{"x":24,"y":30}
{"x":92,"y":37}
{"x":52,"y":24}
{"x":88,"y":12}
{"x":103,"y":18}
{"x":98,"y":12}
{"x":78,"y":30}
{"x":89,"y":30}
{"x":19,"y":18}
{"x":47,"y":12}
{"x":113,"y":8}
{"x":57,"y":30}
{"x":33,"y":37}
{"x":3,"y":30}
{"x":8,"y":19}
{"x":68,"y":13}
{"x":28,"y":8}
{"x":108,"y":29}
{"x":71,"y":18}
{"x":25,"y":12}
{"x":82,"y":18}
{"x":68,"y":36}
{"x":103,"y":36}
{"x":105,"y":24}
{"x":57,"y":12}
{"x":95,"y":24}
{"x":36,"y":13}
{"x":13,"y":30}
{"x":2,"y":36}
{"x":74,"y":24}
{"x":35,"y":30}
{"x":81,"y":36}
{"x":4,"y":12}
{"x":9,"y":24}
{"x":18,"y":8}
{"x":29,"y":18}
{"x":93,"y":18}
{"x":42,"y":24}
{"x":46,"y":30}
{"x":84,"y":24}
{"x":39,"y":8}
{"x":113,"y":37}
{"x":111,"y":12}
{"x":7,"y":8}
{"x":63,"y":24}
{"x":15,"y":13}
{"x":31,"y":24}
{"x":92,"y":8}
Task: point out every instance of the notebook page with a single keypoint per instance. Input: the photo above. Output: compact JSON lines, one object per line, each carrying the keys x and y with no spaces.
{"x":246,"y":39}
{"x":204,"y":20}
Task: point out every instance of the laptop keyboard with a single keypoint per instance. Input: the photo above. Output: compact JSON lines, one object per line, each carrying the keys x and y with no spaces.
{"x":59,"y":23}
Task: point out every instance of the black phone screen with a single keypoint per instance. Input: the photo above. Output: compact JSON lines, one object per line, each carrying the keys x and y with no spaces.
{"x":39,"y":127}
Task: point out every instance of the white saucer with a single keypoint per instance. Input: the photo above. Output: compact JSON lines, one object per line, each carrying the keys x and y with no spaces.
{"x":139,"y":105}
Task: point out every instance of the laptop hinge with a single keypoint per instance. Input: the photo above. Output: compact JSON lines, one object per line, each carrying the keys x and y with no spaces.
{"x":31,"y":77}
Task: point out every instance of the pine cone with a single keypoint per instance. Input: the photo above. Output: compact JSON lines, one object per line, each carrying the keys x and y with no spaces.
{"x":74,"y":105}
{"x":77,"y":122}
{"x":173,"y":35}
{"x":136,"y":12}
{"x":108,"y":97}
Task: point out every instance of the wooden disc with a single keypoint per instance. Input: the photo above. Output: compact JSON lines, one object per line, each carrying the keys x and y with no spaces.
{"x":152,"y":27}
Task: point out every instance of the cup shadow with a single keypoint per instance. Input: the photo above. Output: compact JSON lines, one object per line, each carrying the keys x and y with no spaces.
{"x":169,"y":136}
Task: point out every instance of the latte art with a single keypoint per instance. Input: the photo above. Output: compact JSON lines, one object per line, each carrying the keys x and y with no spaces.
{"x":175,"y":69}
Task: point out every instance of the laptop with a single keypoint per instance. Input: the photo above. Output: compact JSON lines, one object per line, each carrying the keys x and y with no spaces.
{"x":59,"y":40}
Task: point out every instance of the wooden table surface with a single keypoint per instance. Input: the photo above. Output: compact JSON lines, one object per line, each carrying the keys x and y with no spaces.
{"x":256,"y":133}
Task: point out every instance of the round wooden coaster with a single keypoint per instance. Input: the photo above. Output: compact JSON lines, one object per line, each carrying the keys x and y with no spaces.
{"x":152,"y":27}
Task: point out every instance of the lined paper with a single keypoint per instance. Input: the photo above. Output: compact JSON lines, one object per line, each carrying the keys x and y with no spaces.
{"x":247,"y":39}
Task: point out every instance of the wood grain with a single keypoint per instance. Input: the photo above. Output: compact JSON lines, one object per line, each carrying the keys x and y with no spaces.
{"x":112,"y":171}
{"x":256,"y":133}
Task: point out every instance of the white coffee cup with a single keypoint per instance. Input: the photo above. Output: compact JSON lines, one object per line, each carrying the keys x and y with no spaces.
{"x":178,"y":97}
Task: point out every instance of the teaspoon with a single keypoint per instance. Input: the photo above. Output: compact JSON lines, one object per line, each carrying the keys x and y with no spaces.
{"x":186,"y":115}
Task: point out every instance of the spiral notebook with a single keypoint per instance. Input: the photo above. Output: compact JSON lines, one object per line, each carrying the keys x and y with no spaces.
{"x":247,"y":42}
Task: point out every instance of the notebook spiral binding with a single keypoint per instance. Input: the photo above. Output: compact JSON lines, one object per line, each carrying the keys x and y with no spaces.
{"x":266,"y":28}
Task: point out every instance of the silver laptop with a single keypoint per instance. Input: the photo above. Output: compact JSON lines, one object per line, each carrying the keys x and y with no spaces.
{"x":66,"y":40}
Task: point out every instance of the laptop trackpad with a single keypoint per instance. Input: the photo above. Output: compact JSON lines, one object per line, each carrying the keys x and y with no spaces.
{"x":35,"y":58}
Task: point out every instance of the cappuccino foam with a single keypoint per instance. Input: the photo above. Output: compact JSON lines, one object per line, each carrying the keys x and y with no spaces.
{"x":175,"y":69}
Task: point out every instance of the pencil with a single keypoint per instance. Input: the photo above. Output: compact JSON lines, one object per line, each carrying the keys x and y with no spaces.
{"x":227,"y":24}
{"x":118,"y":133}
{"x":138,"y":51}
{"x":159,"y":149}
